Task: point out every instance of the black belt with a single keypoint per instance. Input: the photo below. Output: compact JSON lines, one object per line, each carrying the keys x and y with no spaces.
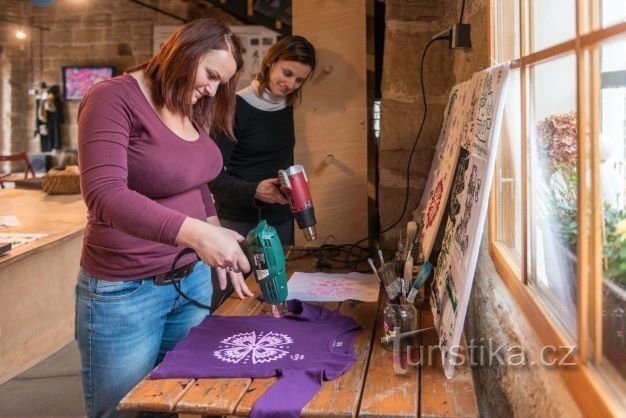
{"x":174,"y":275}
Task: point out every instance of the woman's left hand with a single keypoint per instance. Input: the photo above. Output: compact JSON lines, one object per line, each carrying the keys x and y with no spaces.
{"x":268,"y":191}
{"x":239,"y":284}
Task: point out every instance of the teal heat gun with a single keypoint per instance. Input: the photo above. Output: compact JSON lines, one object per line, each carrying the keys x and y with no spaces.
{"x":265,"y":253}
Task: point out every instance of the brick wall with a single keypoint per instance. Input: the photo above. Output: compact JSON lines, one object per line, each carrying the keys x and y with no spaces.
{"x":84,"y":33}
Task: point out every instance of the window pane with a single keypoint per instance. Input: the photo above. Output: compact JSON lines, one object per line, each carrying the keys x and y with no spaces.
{"x":507,"y":39}
{"x":552,"y":193}
{"x":508,"y":174}
{"x":612,"y":180}
{"x":552,"y":22}
{"x":612,"y":12}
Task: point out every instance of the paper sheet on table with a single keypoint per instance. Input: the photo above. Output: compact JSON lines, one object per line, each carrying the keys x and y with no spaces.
{"x":19,"y":239}
{"x":9,"y":220}
{"x":327,"y":287}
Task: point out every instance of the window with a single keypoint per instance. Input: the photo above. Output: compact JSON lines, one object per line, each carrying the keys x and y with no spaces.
{"x":558,"y":218}
{"x":550,"y":23}
{"x":552,"y":186}
{"x":508,"y":169}
{"x":611,"y":159}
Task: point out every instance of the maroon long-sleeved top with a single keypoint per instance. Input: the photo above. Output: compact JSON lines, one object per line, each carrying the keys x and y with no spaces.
{"x":139,"y":181}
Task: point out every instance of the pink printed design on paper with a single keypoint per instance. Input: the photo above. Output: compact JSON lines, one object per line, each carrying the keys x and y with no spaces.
{"x":333,"y":287}
{"x":243,"y":346}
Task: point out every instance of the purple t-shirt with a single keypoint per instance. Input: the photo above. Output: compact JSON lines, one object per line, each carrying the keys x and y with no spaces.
{"x":139,"y":180}
{"x":303,"y":349}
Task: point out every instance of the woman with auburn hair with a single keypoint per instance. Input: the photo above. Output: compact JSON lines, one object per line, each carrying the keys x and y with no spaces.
{"x":143,"y":140}
{"x":247,"y":189}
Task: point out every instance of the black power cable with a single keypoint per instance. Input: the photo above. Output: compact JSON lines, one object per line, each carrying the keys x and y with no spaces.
{"x":419,"y":132}
{"x":191,"y":300}
{"x":462,"y":12}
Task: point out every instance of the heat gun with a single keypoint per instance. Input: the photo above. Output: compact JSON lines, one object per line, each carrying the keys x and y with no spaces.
{"x":265,"y":253}
{"x":295,"y":185}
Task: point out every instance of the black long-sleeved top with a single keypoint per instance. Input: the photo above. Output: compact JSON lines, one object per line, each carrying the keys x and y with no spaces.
{"x":265,"y":142}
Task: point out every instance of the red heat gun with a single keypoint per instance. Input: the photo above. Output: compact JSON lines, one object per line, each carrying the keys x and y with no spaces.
{"x":295,"y":185}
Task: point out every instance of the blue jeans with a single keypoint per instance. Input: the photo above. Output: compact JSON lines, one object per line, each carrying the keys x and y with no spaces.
{"x":124,"y":329}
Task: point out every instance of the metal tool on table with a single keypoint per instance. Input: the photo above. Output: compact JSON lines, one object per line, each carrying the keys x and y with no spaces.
{"x":267,"y":259}
{"x":295,"y":185}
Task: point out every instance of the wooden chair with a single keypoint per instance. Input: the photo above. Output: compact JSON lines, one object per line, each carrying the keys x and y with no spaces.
{"x":16,"y":175}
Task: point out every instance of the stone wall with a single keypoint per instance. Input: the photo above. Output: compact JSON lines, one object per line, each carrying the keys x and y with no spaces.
{"x":514,"y":391}
{"x":81,"y":33}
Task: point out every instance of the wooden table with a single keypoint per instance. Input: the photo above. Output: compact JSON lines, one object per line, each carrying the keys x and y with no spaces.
{"x":369,"y":389}
{"x":37,"y":279}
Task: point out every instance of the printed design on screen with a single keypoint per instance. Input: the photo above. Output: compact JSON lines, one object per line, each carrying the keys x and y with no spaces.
{"x":441,"y":274}
{"x":435,"y":202}
{"x":458,"y":185}
{"x":452,"y":121}
{"x":261,"y":348}
{"x":77,"y":80}
{"x":483,"y":119}
{"x":473,"y":190}
{"x":469,"y":123}
{"x":447,"y":303}
{"x":333,"y":287}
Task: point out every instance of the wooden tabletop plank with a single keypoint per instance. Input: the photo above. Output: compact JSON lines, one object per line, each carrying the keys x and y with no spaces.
{"x":233,"y":306}
{"x":387,"y":394}
{"x":338,"y":397}
{"x":160,"y":395}
{"x":441,"y":397}
{"x":254,"y":392}
{"x":221,"y":394}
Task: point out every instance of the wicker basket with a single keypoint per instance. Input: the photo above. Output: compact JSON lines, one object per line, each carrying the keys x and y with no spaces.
{"x":65,"y":181}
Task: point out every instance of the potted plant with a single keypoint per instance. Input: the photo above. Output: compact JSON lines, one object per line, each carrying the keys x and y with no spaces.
{"x":615,"y":246}
{"x":557,"y":142}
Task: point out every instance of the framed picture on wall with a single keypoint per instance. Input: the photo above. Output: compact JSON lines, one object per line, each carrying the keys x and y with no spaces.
{"x":77,"y":80}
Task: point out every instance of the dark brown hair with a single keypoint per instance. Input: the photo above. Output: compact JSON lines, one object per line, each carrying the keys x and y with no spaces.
{"x":172,"y":73}
{"x":289,"y":48}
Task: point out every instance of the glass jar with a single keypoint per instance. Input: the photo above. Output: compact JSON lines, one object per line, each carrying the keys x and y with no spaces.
{"x":398,"y":319}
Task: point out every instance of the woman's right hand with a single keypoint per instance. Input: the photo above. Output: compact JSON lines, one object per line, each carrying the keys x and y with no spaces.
{"x":268,"y":191}
{"x":216,"y":246}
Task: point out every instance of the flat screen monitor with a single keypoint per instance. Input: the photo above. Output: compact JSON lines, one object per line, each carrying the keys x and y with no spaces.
{"x":77,"y":80}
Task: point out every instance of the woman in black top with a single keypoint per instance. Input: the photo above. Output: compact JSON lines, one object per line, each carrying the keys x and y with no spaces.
{"x":247,"y":190}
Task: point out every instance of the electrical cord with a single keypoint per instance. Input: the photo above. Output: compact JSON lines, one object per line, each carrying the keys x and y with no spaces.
{"x":191,"y":300}
{"x":462,"y":12}
{"x":334,"y":257}
{"x":419,"y":132}
{"x":328,"y":256}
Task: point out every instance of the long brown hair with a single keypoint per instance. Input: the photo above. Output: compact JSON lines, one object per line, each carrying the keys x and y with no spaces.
{"x":172,"y":73}
{"x":290,"y":48}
